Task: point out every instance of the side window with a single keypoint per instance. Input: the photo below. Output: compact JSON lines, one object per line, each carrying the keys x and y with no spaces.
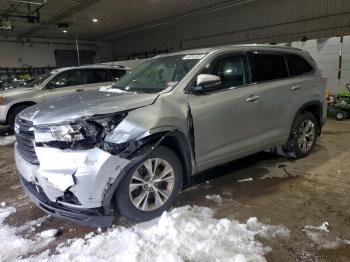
{"x":117,"y":73}
{"x":89,"y":76}
{"x":102,"y":75}
{"x":66,"y":78}
{"x":231,"y":69}
{"x":267,"y":66}
{"x":298,"y":65}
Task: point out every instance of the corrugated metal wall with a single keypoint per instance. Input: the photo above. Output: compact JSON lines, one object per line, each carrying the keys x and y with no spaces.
{"x":259,"y":21}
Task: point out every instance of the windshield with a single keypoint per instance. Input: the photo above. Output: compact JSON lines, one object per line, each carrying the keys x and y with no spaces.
{"x":40,"y":79}
{"x":157,"y":74}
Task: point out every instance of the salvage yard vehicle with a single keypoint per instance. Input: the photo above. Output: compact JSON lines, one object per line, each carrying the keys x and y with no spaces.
{"x":53,"y":84}
{"x":130,"y":149}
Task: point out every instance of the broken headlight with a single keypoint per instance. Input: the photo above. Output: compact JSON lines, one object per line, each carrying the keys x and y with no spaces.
{"x":81,"y":135}
{"x":84,"y":134}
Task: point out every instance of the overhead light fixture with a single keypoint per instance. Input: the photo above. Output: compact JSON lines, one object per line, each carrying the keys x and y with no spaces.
{"x":64,"y":31}
{"x":94,"y":20}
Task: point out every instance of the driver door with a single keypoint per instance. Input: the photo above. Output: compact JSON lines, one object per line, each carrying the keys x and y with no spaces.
{"x":227,"y":120}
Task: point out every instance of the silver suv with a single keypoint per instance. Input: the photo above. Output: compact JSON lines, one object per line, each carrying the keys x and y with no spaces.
{"x":130,"y":149}
{"x":53,"y":84}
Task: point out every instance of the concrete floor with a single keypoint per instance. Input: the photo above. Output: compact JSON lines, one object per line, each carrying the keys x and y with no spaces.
{"x":309,"y":191}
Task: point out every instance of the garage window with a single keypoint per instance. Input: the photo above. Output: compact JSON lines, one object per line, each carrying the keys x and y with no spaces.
{"x":298,"y":65}
{"x":267,"y":66}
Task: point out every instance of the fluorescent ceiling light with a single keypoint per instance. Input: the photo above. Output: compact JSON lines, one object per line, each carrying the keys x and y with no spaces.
{"x":95,"y":20}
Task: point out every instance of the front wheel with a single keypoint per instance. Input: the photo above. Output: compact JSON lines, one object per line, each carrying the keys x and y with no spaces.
{"x":303,"y":136}
{"x":150,"y":188}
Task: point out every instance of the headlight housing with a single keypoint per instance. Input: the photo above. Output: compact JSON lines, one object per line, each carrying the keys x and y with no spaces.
{"x":84,"y":134}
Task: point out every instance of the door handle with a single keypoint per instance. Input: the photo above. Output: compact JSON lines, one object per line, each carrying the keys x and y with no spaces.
{"x":297,"y":87}
{"x":79,"y":90}
{"x":252,"y":98}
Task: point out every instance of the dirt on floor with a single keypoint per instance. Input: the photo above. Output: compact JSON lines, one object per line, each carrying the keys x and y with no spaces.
{"x":277,"y":191}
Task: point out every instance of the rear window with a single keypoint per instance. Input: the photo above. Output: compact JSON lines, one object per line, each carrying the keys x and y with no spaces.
{"x":298,"y":65}
{"x":267,"y":66}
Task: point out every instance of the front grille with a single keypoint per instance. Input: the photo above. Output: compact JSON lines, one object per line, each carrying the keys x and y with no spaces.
{"x":26,"y":141}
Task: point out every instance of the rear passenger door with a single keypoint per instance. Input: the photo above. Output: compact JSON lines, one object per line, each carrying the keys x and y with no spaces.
{"x":272,"y":84}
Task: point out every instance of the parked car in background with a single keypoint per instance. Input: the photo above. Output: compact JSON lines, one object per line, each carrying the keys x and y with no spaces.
{"x":53,"y":84}
{"x":130,"y":149}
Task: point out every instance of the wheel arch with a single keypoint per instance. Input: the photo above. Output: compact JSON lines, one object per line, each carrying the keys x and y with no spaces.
{"x":12,"y":107}
{"x":173,"y":139}
{"x":315,"y":107}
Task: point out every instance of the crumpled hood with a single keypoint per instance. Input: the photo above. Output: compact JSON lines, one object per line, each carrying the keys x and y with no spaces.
{"x":84,"y":104}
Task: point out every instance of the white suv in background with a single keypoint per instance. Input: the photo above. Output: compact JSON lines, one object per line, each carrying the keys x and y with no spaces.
{"x":53,"y":84}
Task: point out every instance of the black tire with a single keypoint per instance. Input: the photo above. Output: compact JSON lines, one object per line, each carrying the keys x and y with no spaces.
{"x":123,"y":199}
{"x":341,"y":115}
{"x":292,"y":148}
{"x":12,"y":115}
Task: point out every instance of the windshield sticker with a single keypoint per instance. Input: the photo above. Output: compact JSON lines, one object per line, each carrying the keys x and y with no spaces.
{"x":193,"y":57}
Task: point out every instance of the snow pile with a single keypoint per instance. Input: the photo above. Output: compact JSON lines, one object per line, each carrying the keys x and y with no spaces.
{"x":7,"y":140}
{"x":216,"y":198}
{"x":321,"y":237}
{"x":49,"y":233}
{"x":184,"y":234}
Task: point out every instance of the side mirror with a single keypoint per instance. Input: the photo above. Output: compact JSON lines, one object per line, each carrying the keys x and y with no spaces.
{"x":206,"y":83}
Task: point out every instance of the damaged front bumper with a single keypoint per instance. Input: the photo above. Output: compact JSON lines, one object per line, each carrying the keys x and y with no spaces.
{"x":72,"y":184}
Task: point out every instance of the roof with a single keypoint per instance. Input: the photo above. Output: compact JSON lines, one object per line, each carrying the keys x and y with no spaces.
{"x":232,"y":47}
{"x":93,"y":66}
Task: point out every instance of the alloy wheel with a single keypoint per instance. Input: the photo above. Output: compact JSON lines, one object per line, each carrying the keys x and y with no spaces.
{"x":306,"y":135}
{"x":151,"y":184}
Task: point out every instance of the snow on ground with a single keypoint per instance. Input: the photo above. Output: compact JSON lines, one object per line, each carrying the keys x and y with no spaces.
{"x":49,"y":233}
{"x":7,"y":140}
{"x":184,"y":234}
{"x":321,"y":237}
{"x":216,"y":198}
{"x":11,"y":245}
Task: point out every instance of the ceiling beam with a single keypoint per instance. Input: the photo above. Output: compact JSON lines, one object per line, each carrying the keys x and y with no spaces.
{"x":71,"y":11}
{"x":176,"y":18}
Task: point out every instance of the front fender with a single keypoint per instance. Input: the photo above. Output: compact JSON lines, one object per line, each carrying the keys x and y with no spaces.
{"x":139,"y":150}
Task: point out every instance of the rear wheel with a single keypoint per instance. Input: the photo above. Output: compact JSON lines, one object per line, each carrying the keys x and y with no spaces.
{"x":303,"y":136}
{"x":341,"y":115}
{"x":151,"y":187}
